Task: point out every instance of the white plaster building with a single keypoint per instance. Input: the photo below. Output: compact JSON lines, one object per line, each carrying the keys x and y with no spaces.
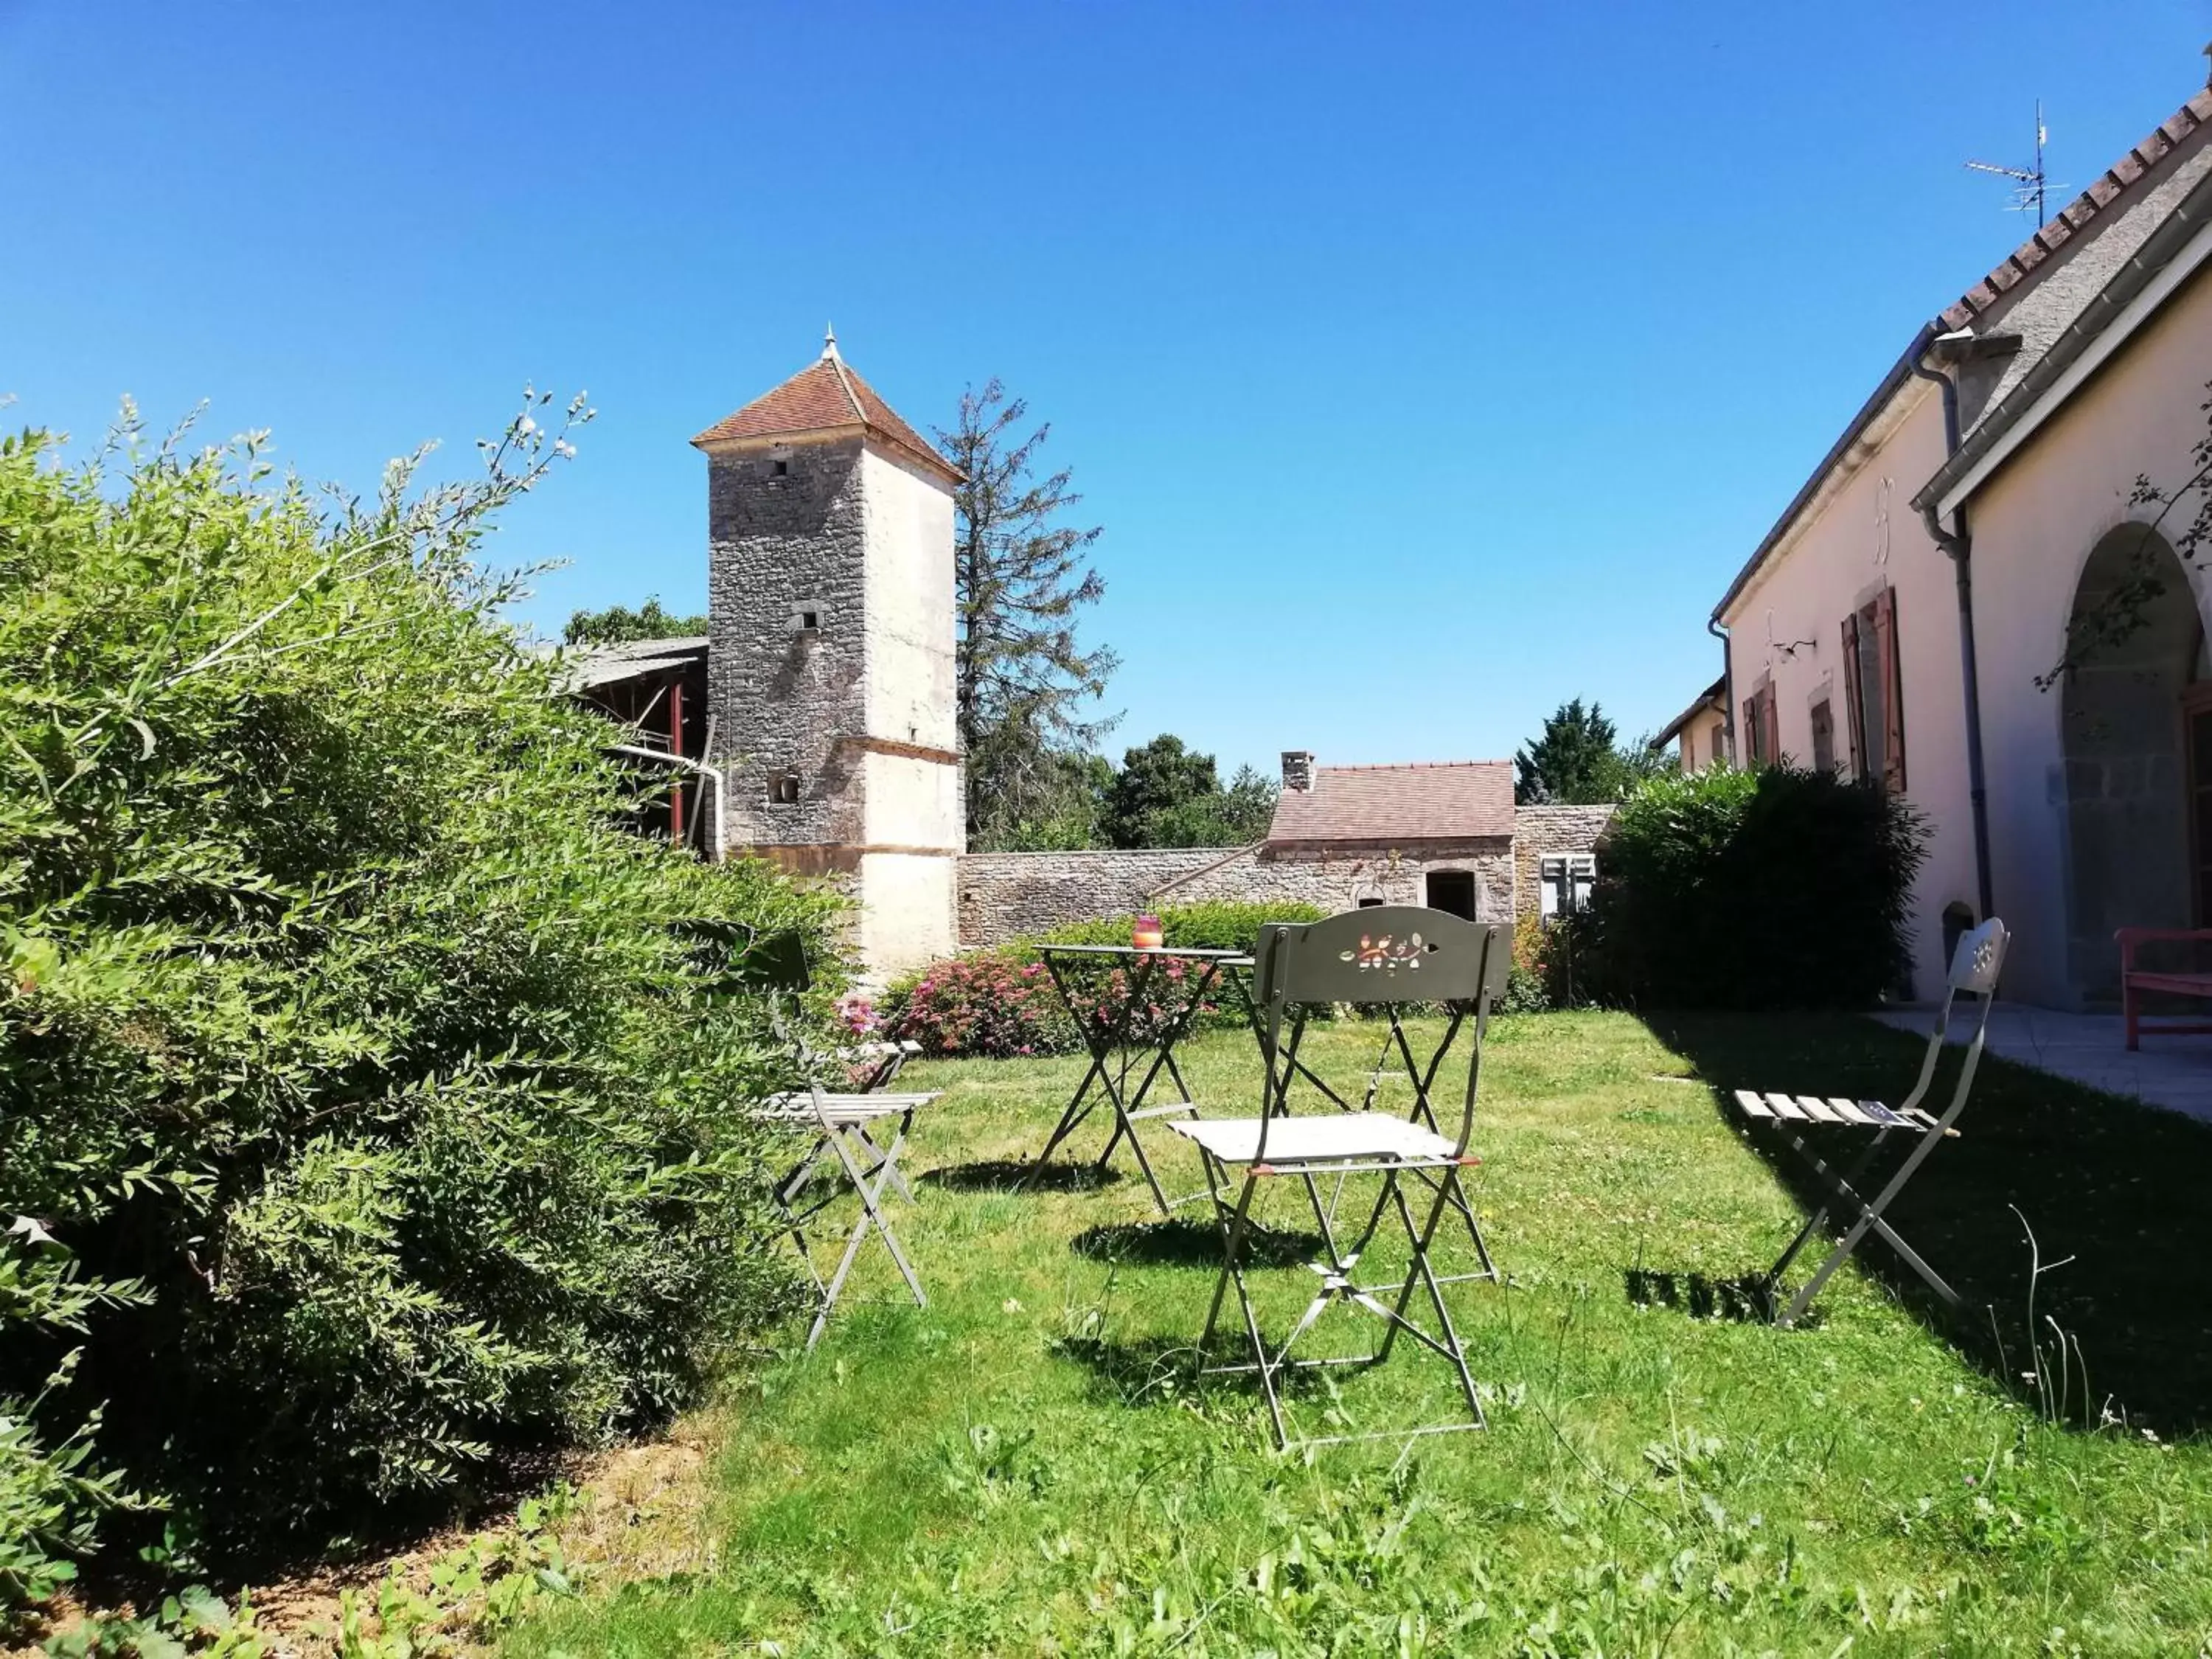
{"x":1963,"y":538}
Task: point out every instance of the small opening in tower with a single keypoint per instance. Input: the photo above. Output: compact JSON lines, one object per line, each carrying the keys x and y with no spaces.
{"x":779,"y":468}
{"x":783,"y":788}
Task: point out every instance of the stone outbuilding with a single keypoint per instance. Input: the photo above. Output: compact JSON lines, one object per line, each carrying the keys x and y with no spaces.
{"x":1445,"y":834}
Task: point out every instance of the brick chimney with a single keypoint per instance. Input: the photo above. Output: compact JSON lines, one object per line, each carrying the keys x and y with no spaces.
{"x":1298,"y":769}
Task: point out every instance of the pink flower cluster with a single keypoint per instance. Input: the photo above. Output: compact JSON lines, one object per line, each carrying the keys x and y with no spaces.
{"x":988,"y":1006}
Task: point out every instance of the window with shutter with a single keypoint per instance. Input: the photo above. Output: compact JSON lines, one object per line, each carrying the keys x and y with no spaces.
{"x":1824,"y":737}
{"x":1892,"y":691}
{"x":1566,"y":881}
{"x":1854,"y":703}
{"x":1871,"y":686}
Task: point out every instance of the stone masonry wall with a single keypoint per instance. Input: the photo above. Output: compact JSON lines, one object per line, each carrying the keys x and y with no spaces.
{"x":1004,"y":894}
{"x":1540,"y":831}
{"x":778,"y":543}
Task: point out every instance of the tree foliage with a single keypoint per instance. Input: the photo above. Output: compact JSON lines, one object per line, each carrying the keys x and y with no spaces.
{"x":366,"y":1097}
{"x":619,"y":625}
{"x":1167,"y":795}
{"x":1578,"y":760}
{"x":1020,"y":580}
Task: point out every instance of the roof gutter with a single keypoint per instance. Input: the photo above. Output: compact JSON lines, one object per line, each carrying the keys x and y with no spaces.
{"x":1901,"y":371}
{"x":2168,"y":256}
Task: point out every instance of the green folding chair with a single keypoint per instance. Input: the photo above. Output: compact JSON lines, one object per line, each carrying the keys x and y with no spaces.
{"x":853,"y":1138}
{"x":1372,"y":957}
{"x":1976,"y":962}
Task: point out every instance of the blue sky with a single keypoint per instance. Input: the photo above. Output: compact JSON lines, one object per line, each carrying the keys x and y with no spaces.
{"x":1426,"y":365}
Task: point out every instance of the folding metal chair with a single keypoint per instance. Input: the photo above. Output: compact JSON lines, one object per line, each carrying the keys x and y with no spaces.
{"x":1379,"y":955}
{"x":1395,"y":1061}
{"x":1975,"y":965}
{"x":857,"y":1135}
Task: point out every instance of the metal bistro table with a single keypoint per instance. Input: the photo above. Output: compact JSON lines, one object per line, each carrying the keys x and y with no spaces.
{"x":1125,"y":1040}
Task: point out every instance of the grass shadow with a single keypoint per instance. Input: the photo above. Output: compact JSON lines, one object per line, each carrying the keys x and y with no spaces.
{"x":1006,"y":1175}
{"x":1159,"y":1371}
{"x":1741,"y":1298}
{"x":2116,"y":1186}
{"x":1180,"y":1243}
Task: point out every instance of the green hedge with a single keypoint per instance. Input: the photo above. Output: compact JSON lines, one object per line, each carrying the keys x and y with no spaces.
{"x":1753,"y":889}
{"x":360,"y":1096}
{"x":1212,"y":925}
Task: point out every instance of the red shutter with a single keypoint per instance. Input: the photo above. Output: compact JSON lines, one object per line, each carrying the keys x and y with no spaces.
{"x":1892,"y":691}
{"x":1854,"y":707}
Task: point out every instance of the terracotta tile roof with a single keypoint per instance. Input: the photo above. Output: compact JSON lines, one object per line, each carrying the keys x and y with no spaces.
{"x":826,"y":395}
{"x":1442,"y":800}
{"x":2131,"y":168}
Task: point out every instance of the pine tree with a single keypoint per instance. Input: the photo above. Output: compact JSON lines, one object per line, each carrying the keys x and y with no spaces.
{"x":1020,"y":578}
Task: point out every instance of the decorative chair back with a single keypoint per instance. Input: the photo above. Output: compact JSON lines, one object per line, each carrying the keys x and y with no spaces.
{"x":1976,"y":962}
{"x":1382,"y":956}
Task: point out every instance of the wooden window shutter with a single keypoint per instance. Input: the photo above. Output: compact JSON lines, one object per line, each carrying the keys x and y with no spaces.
{"x":1773,"y":724}
{"x":1854,"y":703}
{"x":1754,"y":732}
{"x":1892,"y":691}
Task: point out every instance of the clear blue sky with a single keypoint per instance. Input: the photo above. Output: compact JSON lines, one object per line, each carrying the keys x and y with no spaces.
{"x":1426,"y":365}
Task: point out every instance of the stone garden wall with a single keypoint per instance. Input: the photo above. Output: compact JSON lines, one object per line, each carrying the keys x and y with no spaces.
{"x":1005,"y":894}
{"x":1538,"y":831}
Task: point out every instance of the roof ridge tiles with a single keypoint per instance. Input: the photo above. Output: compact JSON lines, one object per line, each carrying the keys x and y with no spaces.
{"x":2109,"y":185}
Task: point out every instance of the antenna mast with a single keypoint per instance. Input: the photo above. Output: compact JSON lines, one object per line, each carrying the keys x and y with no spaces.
{"x":2031,"y":187}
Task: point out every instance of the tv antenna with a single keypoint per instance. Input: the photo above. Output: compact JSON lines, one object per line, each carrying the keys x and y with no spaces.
{"x":2030,"y":185}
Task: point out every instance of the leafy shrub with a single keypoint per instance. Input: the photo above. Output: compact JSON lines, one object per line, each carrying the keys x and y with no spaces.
{"x":366,"y":1072}
{"x":1526,"y":989}
{"x":1754,"y":890}
{"x":990,"y":1006}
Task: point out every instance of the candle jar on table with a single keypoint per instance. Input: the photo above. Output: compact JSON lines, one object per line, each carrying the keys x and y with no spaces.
{"x":1147,"y":934}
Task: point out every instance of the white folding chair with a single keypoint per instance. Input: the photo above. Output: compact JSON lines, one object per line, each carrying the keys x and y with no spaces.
{"x":856,"y":1140}
{"x":1975,"y":965}
{"x":1382,"y":955}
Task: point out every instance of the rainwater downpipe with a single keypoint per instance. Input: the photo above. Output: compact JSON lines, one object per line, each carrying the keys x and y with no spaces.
{"x":1718,"y":629}
{"x":1959,"y":544}
{"x":706,"y":774}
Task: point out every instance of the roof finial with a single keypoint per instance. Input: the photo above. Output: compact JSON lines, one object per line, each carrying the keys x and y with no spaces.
{"x":829,"y":343}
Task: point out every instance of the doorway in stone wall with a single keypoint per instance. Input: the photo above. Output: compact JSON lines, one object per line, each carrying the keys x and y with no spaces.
{"x":1452,"y":892}
{"x":2134,"y":712}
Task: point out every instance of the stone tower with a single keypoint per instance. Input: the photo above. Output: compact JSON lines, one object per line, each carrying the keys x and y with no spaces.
{"x":830,"y":676}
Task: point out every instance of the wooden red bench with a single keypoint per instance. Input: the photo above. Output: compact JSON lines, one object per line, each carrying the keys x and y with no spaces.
{"x":2134,"y":980}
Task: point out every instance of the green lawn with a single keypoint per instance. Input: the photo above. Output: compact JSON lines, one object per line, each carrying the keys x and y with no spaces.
{"x":1024,"y":1466}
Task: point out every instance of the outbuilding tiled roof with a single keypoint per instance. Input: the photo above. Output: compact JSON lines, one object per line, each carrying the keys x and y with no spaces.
{"x":824,"y":396}
{"x":2075,"y":216}
{"x":1442,"y":800}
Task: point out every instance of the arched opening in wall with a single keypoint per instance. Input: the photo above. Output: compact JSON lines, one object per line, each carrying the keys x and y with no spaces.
{"x":2128,"y":695}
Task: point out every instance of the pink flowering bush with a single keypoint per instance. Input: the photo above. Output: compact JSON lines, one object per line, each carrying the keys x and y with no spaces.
{"x":993,"y":1007}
